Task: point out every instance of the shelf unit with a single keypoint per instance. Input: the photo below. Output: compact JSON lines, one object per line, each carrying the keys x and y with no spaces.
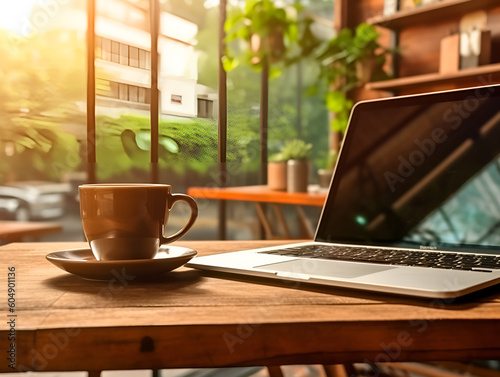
{"x":482,"y":75}
{"x":431,"y":12}
{"x":419,"y":30}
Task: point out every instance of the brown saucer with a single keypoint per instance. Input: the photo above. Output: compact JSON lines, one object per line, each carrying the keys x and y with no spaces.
{"x":82,"y":262}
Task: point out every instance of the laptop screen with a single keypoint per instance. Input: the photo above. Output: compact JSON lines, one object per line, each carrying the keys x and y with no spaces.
{"x":420,"y":172}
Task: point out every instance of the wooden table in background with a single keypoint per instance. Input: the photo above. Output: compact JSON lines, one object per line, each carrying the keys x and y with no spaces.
{"x":13,"y":231}
{"x":188,"y":318}
{"x":262,"y":194}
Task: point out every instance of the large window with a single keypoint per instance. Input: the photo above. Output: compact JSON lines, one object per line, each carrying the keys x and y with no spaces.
{"x":43,"y":99}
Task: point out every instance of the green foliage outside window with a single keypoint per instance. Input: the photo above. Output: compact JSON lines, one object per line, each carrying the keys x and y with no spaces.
{"x":40,"y":116}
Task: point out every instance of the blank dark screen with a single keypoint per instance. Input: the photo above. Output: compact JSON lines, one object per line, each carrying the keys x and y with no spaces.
{"x":419,"y":171}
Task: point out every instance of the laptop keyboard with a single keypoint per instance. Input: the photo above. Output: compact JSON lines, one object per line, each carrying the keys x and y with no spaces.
{"x":457,"y":261}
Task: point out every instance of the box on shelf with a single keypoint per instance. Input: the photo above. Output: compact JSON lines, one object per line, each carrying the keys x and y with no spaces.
{"x":449,"y":59}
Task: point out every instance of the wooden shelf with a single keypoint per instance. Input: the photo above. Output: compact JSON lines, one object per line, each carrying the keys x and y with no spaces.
{"x":473,"y":76}
{"x":431,"y":12}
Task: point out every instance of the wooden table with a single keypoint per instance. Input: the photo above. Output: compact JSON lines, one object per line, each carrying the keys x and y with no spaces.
{"x":188,"y":318}
{"x":262,"y":194}
{"x":13,"y":231}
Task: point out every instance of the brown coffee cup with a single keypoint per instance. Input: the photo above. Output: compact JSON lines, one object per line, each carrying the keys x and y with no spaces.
{"x":127,"y":221}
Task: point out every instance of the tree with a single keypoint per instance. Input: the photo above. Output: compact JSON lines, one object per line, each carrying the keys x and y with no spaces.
{"x":41,"y":90}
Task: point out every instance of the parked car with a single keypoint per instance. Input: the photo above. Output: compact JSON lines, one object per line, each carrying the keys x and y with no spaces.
{"x":32,"y":200}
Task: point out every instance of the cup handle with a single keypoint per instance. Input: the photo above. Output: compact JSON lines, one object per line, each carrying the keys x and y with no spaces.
{"x":194,"y":214}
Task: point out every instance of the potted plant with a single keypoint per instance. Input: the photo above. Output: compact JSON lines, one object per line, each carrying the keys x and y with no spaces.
{"x":276,"y":172}
{"x":296,"y":153}
{"x":348,"y":61}
{"x":325,"y":174}
{"x":271,"y":35}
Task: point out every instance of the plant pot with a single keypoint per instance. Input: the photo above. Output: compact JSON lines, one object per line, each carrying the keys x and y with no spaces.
{"x":365,"y":69}
{"x":276,"y":176}
{"x":272,"y":44}
{"x":324,"y":177}
{"x":297,"y":175}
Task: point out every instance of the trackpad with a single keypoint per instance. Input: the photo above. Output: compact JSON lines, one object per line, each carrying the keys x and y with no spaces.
{"x":323,"y":268}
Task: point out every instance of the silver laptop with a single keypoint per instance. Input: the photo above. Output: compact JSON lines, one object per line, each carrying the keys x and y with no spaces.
{"x":413,"y":207}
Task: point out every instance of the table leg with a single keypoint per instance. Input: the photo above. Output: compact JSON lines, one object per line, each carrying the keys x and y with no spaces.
{"x":263,"y":220}
{"x":275,"y":371}
{"x":222,"y":220}
{"x":306,"y":229}
{"x":340,"y":370}
{"x":261,"y":213}
{"x":281,"y":220}
{"x":94,"y":373}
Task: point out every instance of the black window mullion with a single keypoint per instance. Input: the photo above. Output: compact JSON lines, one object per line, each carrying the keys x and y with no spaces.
{"x":222,"y":122}
{"x":154,"y":7}
{"x":91,"y":152}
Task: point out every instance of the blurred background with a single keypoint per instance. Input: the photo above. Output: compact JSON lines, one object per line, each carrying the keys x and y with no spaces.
{"x":43,"y":105}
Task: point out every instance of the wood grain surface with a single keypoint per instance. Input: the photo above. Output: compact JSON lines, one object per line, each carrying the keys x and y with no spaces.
{"x":260,"y":194}
{"x":14,"y":231}
{"x":189,"y":318}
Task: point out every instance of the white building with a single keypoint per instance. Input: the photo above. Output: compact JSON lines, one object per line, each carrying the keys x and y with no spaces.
{"x":123,"y":62}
